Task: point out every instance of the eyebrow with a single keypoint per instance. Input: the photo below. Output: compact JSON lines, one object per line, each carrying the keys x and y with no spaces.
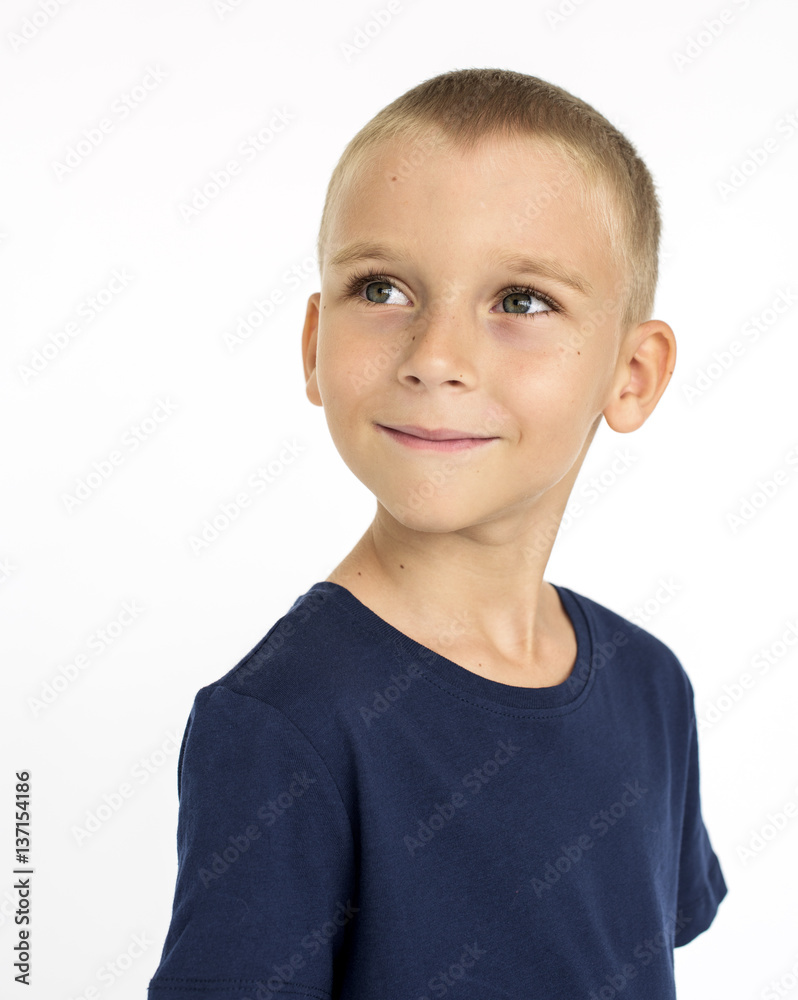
{"x":545,"y":267}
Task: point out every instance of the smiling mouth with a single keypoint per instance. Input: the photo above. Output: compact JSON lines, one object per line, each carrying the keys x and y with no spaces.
{"x":446,"y":439}
{"x":439,"y":434}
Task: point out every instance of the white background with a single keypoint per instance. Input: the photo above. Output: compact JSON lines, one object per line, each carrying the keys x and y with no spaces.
{"x":67,"y":572}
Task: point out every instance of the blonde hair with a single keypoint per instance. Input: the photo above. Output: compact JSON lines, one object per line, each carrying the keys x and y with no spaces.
{"x":460,"y":108}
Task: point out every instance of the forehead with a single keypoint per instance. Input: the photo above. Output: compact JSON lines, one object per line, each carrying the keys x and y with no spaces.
{"x":448,"y":204}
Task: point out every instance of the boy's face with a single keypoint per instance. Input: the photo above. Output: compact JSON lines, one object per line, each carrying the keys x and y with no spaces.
{"x":447,"y":343}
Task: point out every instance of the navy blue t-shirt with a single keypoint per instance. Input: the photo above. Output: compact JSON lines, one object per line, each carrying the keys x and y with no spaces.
{"x":362,"y":818}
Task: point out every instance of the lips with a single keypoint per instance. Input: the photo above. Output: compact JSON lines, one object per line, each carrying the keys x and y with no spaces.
{"x":436,"y":434}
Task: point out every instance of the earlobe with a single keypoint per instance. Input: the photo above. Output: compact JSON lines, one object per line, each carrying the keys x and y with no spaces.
{"x":309,"y":345}
{"x":645,"y":365}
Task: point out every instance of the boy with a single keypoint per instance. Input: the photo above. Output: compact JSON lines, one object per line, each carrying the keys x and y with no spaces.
{"x":439,"y":772}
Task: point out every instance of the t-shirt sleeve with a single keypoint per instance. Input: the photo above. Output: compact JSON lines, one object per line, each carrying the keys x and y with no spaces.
{"x":265,"y":885}
{"x":701,"y":882}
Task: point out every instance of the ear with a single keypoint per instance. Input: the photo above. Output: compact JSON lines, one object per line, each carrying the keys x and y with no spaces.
{"x":645,"y":364}
{"x":309,"y":343}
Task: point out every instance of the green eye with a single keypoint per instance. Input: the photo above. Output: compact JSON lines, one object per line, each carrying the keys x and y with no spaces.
{"x":521,"y":302}
{"x":377,"y":288}
{"x":378,"y":291}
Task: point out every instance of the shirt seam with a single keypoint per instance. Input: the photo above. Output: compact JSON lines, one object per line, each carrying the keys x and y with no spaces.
{"x":288,"y":719}
{"x":709,"y":891}
{"x":514,"y":712}
{"x":300,"y":989}
{"x":507,"y":710}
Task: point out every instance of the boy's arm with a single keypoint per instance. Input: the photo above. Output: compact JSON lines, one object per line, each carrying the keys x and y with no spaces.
{"x":265,"y":858}
{"x":701,"y":882}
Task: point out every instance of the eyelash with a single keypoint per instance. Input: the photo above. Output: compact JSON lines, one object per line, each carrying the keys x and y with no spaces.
{"x":357,"y":282}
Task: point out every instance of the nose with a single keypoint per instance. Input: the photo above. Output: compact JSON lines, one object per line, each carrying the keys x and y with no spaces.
{"x":441,"y":345}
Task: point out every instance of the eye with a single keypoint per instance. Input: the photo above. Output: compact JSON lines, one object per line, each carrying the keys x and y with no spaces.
{"x":378,"y":289}
{"x":519,"y":300}
{"x":523,"y":301}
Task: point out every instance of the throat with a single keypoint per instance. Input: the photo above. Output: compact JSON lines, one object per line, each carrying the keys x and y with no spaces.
{"x":553,"y":670}
{"x":553,"y":664}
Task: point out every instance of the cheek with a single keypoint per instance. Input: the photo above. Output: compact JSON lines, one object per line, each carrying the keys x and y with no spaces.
{"x":554,"y":401}
{"x":337,"y":368}
{"x":354,"y":366}
{"x":545,"y":384}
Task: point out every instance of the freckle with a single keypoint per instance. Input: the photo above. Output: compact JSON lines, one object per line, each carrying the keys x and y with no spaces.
{"x":578,"y":352}
{"x":401,"y":566}
{"x":393,"y":178}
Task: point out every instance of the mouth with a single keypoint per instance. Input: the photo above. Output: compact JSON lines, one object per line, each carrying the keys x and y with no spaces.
{"x":439,"y":434}
{"x":435,"y":439}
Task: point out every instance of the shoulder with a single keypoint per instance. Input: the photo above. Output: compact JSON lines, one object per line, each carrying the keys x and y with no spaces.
{"x":636,"y":655}
{"x":313,"y":663}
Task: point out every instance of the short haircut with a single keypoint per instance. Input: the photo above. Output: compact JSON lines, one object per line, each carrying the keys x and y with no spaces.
{"x":460,"y":108}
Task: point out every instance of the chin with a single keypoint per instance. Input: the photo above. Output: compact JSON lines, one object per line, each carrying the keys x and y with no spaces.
{"x":436,"y":515}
